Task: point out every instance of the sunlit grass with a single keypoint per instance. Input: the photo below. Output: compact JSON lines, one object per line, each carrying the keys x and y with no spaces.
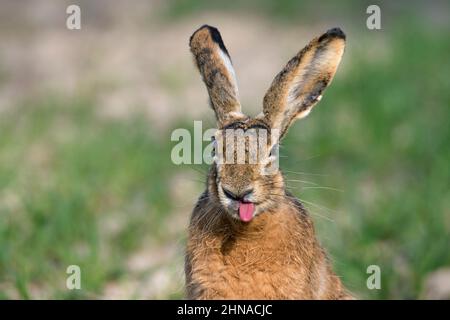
{"x":67,"y":176}
{"x":77,"y":188}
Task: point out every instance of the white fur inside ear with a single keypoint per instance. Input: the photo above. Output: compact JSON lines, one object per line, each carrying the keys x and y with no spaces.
{"x":303,"y":113}
{"x":227,"y":63}
{"x":236,"y":114}
{"x":313,"y":67}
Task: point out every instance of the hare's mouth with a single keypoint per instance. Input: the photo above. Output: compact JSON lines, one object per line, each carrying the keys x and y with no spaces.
{"x":246,"y":211}
{"x":241,"y":204}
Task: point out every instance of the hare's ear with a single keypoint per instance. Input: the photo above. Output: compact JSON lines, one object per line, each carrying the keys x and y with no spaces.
{"x":299,"y":86}
{"x":214,"y":64}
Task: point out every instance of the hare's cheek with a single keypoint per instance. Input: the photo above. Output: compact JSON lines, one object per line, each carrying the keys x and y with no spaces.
{"x":270,"y":166}
{"x":228,"y":203}
{"x":233,"y":206}
{"x":218,"y":170}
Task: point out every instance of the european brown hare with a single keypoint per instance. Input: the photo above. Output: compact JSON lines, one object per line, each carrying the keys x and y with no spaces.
{"x":249,"y":238}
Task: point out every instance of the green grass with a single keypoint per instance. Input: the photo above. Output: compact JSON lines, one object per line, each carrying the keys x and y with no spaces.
{"x":380,"y":134}
{"x":91,"y":171}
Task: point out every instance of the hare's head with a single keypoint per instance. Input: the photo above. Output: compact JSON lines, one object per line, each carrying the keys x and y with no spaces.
{"x":245,"y":176}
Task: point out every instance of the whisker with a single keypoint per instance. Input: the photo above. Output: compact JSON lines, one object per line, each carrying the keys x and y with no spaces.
{"x":310,"y":210}
{"x":319,"y":206}
{"x":310,"y":203}
{"x":197,"y":169}
{"x":301,"y":181}
{"x":196,"y":180}
{"x":306,"y":173}
{"x":327,"y":188}
{"x":312,"y":157}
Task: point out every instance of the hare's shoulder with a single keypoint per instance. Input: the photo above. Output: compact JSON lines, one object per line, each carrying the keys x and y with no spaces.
{"x":296,"y":204}
{"x":205,"y":210}
{"x":202,"y":201}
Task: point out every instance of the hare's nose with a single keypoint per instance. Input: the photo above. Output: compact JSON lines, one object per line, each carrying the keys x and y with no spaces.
{"x":244,"y":195}
{"x":241,"y":196}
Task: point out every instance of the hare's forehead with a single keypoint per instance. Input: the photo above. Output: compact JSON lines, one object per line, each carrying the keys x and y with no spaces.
{"x":246,"y":124}
{"x":244,"y":136}
{"x":244,"y":173}
{"x":247,"y":127}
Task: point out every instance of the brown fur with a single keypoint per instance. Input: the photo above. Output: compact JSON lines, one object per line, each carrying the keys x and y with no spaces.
{"x":314,"y":73}
{"x":276,"y":255}
{"x":206,"y":45}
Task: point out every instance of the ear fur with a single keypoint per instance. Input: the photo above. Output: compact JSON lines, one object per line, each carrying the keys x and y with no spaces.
{"x":299,"y":86}
{"x":214,"y":63}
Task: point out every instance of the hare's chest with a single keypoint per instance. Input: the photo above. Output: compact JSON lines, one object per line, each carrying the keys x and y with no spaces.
{"x":244,"y":272}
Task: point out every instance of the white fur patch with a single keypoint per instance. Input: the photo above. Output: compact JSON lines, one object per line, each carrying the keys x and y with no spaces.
{"x":303,"y":113}
{"x":327,"y":60}
{"x":227,"y":63}
{"x":236,"y":114}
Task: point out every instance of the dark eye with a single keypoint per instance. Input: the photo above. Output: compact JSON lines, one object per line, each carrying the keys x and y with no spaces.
{"x":274,"y":151}
{"x":214,"y":145}
{"x":230,"y":194}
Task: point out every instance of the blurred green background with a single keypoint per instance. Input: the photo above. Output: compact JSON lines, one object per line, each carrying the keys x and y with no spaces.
{"x":86,"y":116}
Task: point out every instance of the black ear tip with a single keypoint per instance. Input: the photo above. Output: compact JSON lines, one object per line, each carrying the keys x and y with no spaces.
{"x":215,"y":36}
{"x":212,"y":30}
{"x":333,"y":33}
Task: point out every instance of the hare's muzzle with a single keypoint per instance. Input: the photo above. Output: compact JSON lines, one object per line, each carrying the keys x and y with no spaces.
{"x":246,"y":206}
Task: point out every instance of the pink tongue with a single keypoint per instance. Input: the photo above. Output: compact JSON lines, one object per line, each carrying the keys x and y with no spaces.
{"x":246,"y":211}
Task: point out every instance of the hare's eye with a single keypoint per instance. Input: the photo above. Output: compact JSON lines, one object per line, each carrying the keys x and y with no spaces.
{"x":214,"y":146}
{"x":274,"y":151}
